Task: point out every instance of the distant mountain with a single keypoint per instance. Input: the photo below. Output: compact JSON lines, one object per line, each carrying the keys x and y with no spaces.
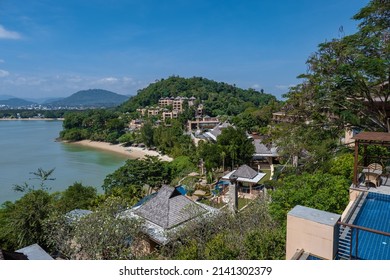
{"x":51,"y":100}
{"x":91,"y":98}
{"x":16,"y":102}
{"x":43,"y":100}
{"x":6,"y":96}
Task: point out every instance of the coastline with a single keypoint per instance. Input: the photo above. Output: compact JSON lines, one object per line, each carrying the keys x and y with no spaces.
{"x":32,"y":119}
{"x":131,"y":152}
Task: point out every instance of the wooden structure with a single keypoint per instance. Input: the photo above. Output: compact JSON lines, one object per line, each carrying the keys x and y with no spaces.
{"x":365,"y":139}
{"x":373,"y":174}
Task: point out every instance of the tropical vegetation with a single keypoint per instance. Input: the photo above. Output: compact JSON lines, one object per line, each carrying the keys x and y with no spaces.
{"x":347,"y":78}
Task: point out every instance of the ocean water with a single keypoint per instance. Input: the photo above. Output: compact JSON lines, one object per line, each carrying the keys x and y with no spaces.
{"x":26,"y":146}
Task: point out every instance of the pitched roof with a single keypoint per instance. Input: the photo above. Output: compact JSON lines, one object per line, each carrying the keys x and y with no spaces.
{"x":244,"y":174}
{"x":244,"y":171}
{"x":263,"y":150}
{"x":169,"y":208}
{"x":35,"y":252}
{"x":217,"y":130}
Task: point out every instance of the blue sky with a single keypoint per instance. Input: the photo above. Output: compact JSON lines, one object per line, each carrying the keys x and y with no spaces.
{"x":55,"y":48}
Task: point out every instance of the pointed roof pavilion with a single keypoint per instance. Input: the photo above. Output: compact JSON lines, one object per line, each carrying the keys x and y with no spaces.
{"x":244,"y":174}
{"x":169,"y":208}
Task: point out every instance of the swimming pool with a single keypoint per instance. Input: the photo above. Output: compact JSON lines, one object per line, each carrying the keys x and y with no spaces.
{"x":374,"y":214}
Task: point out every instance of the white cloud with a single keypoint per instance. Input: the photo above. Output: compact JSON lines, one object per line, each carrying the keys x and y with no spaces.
{"x":3,"y":73}
{"x":108,"y":80}
{"x":2,"y":60}
{"x":255,"y":86}
{"x":284,"y":87}
{"x":6,"y":34}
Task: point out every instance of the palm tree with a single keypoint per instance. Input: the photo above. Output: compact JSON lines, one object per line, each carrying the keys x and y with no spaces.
{"x":223,"y":155}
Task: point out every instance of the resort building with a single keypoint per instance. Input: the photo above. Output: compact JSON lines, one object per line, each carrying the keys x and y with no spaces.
{"x":177,"y":103}
{"x":362,"y":231}
{"x":164,"y":212}
{"x":246,"y":180}
{"x":265,"y":155}
{"x":149,"y":111}
{"x":142,"y":111}
{"x":202,"y":123}
{"x":199,"y":110}
{"x":216,"y":131}
{"x":170,"y":114}
{"x":153,"y":112}
{"x":135,"y":124}
{"x":164,"y":102}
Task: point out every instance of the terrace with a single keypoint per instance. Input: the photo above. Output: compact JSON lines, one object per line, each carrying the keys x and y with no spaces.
{"x":372,"y":172}
{"x":363,"y":230}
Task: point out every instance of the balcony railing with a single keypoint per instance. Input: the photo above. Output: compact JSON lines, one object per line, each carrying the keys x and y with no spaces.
{"x":349,"y":240}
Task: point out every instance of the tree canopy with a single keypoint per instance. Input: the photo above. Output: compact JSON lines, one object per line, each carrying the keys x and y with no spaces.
{"x":135,"y":174}
{"x":237,"y":147}
{"x":318,"y":190}
{"x":347,"y":84}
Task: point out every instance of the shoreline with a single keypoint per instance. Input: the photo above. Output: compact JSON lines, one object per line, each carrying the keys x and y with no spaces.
{"x":32,"y":119}
{"x":130,"y":152}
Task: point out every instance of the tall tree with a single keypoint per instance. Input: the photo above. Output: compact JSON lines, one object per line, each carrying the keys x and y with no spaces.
{"x":348,"y":81}
{"x":137,"y":173}
{"x":76,"y":196}
{"x":237,"y":146}
{"x":25,"y":220}
{"x":147,"y":133}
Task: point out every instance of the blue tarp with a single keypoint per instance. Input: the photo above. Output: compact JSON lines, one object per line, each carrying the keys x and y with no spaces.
{"x":182,"y":189}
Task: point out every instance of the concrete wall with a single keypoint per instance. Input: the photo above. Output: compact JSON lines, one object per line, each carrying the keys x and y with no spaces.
{"x":353,"y":194}
{"x":311,"y":236}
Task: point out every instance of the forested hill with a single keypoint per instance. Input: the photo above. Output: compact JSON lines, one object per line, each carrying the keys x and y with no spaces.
{"x":92,"y":98}
{"x":16,"y":102}
{"x":218,"y":98}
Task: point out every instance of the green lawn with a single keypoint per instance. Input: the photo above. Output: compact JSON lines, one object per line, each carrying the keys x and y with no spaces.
{"x":266,"y":177}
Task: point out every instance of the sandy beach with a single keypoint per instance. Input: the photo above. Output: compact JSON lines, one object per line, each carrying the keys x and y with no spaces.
{"x":131,"y":152}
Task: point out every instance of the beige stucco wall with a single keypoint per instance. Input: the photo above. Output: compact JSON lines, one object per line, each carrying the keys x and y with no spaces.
{"x":318,"y":239}
{"x":353,"y":194}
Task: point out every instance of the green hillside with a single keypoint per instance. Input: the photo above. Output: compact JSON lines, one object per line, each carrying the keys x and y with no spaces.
{"x":218,"y":98}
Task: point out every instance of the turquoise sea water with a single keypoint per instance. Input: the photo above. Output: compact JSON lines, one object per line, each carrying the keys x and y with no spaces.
{"x":26,"y":146}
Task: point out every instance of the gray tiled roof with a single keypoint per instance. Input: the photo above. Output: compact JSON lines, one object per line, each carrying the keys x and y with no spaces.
{"x":169,"y":208}
{"x":217,"y":130}
{"x":35,"y":252}
{"x":244,"y":171}
{"x":264,"y":150}
{"x":260,"y":148}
